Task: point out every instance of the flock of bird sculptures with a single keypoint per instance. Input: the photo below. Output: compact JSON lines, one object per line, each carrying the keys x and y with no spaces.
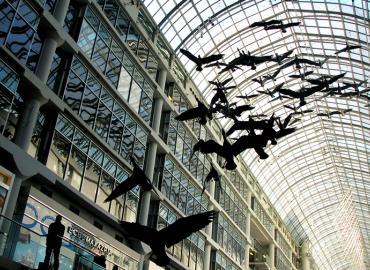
{"x":184,"y":227}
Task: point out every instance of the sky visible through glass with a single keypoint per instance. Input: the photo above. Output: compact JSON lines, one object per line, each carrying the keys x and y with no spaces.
{"x":318,"y":177}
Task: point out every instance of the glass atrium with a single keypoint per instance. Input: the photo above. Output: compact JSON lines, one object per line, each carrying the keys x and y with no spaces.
{"x":317,"y":178}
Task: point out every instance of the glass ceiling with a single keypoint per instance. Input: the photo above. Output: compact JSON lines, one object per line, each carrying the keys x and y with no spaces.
{"x":318,"y":178}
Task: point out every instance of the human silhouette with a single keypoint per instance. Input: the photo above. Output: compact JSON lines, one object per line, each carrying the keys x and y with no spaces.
{"x":115,"y":267}
{"x":54,"y":241}
{"x":100,"y":260}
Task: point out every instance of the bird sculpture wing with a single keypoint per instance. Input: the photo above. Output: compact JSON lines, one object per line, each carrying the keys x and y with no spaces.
{"x":284,"y":132}
{"x":189,"y":55}
{"x":189,"y":114}
{"x":122,"y":188}
{"x":289,"y":92}
{"x":140,"y":232}
{"x":256,"y":24}
{"x":292,"y":24}
{"x":184,"y":227}
{"x":242,"y":108}
{"x":287,"y":120}
{"x":226,"y":81}
{"x":211,"y":58}
{"x":309,"y":62}
{"x":286,"y":54}
{"x":244,"y":142}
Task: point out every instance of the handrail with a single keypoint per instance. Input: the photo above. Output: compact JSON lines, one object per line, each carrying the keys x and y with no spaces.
{"x":63,"y":238}
{"x":20,"y":224}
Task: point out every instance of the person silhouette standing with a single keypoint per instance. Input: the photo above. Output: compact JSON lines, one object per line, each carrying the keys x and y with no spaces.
{"x":54,"y":241}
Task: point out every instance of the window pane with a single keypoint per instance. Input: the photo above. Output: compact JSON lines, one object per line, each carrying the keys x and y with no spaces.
{"x":105,"y":188}
{"x":73,"y":92}
{"x":91,"y":179}
{"x":58,"y":154}
{"x":76,"y":164}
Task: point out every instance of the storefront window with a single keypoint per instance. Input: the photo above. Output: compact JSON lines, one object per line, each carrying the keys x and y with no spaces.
{"x":30,"y":250}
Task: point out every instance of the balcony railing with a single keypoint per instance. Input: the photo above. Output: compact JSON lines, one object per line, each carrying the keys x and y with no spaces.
{"x":27,"y":247}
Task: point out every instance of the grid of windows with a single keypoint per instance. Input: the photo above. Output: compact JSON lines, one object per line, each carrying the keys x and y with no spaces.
{"x":281,"y":262}
{"x":178,"y":188}
{"x":109,"y":57}
{"x":221,"y":262}
{"x":18,"y":31}
{"x":229,"y":238}
{"x":262,"y":215}
{"x":239,"y":183}
{"x":79,"y":161}
{"x":105,"y":115}
{"x":189,"y":251}
{"x":180,"y":141}
{"x":232,"y":204}
{"x":282,"y":243}
{"x":128,"y":33}
{"x":11,"y":104}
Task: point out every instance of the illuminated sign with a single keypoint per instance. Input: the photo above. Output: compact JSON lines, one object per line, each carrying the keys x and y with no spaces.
{"x":90,"y":240}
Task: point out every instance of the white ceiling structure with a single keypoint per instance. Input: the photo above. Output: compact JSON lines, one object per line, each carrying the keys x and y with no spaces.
{"x":317,"y":178}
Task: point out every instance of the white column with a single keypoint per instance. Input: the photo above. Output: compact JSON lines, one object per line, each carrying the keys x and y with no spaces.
{"x":272,"y":256}
{"x":149,"y":171}
{"x":208,"y":247}
{"x":157,"y":113}
{"x":46,"y":58}
{"x":60,"y":10}
{"x":305,"y":255}
{"x":162,"y":79}
{"x":27,"y":123}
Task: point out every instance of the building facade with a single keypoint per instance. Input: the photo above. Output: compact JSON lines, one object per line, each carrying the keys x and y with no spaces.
{"x":84,"y":85}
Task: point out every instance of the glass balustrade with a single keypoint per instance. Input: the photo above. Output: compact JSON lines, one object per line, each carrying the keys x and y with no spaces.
{"x":27,"y":247}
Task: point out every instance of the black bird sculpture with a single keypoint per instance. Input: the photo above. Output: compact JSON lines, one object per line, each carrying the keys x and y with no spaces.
{"x":301,"y":94}
{"x":200,"y":112}
{"x":282,"y":26}
{"x":280,"y":57}
{"x":213,"y":174}
{"x":329,"y":114}
{"x":259,"y":80}
{"x":228,"y":151}
{"x":354,"y":85}
{"x":266,"y":23}
{"x":166,"y":237}
{"x":250,"y":124}
{"x":199,"y":61}
{"x":271,"y":93}
{"x":348,"y":48}
{"x":325,"y":81}
{"x":248,"y":97}
{"x":137,"y":177}
{"x":301,"y":75}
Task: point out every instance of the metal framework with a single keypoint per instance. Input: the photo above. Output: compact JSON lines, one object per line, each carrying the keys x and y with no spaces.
{"x":318,"y":178}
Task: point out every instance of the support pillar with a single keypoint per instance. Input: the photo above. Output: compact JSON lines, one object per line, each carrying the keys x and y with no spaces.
{"x":208,"y":230}
{"x":207,"y":257}
{"x":162,"y":79}
{"x":149,"y":171}
{"x":305,"y":255}
{"x":29,"y":116}
{"x":151,"y":158}
{"x":46,"y":58}
{"x":60,"y":10}
{"x":248,"y":233}
{"x":272,"y":256}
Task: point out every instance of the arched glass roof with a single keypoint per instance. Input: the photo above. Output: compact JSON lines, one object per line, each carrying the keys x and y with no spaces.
{"x":318,"y":178}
